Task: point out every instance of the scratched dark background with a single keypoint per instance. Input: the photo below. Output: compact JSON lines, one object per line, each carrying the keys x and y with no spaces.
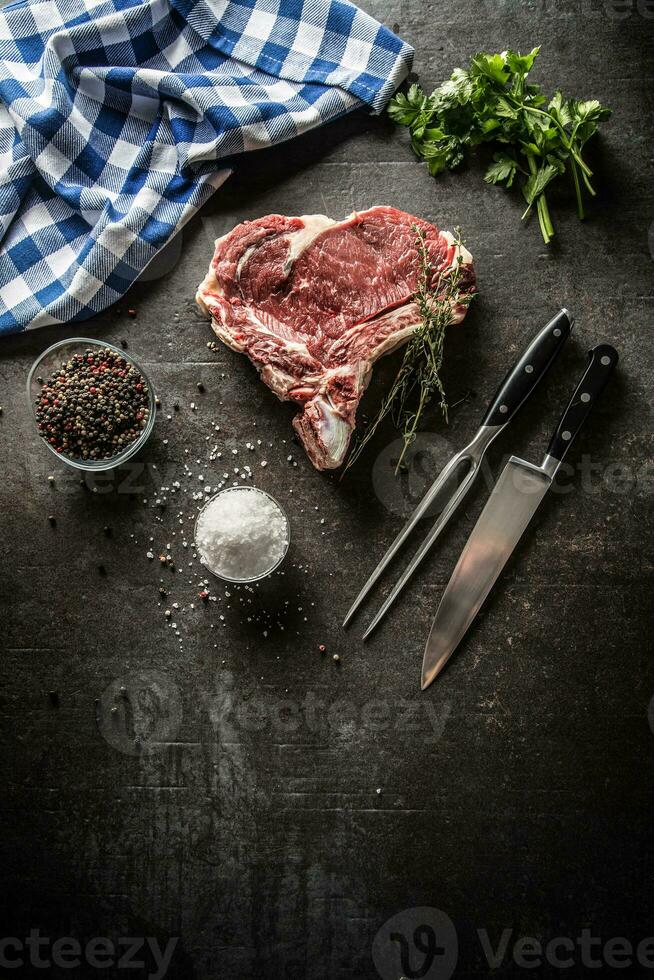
{"x":271,"y":808}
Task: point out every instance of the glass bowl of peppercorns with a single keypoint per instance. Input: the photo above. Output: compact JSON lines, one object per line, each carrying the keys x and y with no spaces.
{"x":93,"y":405}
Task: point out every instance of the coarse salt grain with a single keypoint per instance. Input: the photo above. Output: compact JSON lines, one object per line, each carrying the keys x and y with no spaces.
{"x":241,"y":534}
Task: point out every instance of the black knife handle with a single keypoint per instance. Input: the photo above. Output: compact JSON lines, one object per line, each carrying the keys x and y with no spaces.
{"x":529,"y":369}
{"x":601,"y":364}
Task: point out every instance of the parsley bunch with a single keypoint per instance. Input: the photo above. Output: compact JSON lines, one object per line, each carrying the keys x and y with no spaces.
{"x":492,"y":102}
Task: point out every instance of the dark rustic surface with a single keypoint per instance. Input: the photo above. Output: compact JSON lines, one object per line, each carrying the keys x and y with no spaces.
{"x":270,"y":807}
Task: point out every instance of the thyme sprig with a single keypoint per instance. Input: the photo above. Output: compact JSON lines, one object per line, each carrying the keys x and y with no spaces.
{"x":418,"y":381}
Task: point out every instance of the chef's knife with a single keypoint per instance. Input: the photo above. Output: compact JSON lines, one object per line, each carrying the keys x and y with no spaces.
{"x":512,"y":504}
{"x":457,"y":477}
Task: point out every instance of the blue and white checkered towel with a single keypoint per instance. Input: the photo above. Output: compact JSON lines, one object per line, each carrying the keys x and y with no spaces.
{"x":115,"y":113}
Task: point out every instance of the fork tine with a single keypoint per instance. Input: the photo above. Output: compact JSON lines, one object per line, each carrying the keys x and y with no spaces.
{"x":425,"y":547}
{"x":418,"y":513}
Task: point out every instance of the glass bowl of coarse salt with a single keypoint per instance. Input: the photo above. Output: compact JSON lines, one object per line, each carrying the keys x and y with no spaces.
{"x":242,"y":534}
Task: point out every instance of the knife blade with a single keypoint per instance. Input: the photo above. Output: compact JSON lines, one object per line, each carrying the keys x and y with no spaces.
{"x":508,"y":511}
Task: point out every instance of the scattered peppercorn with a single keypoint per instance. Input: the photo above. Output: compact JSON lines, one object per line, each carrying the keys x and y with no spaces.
{"x":123,"y":343}
{"x":176,"y":406}
{"x":51,"y":480}
{"x":52,"y":519}
{"x":102,"y":570}
{"x":131,"y":313}
{"x":200,"y":386}
{"x":336,"y":658}
{"x":162,"y":592}
{"x":167,"y":614}
{"x":107,"y":530}
{"x":322,"y":647}
{"x":93,"y":406}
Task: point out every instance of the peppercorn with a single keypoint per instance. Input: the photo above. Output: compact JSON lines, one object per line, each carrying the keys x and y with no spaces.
{"x":336,"y":658}
{"x":51,"y":480}
{"x":131,"y":313}
{"x":123,"y":344}
{"x":52,"y":519}
{"x":102,"y":570}
{"x":200,"y":386}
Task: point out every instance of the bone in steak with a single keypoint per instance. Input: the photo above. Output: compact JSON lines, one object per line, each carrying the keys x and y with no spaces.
{"x":314,"y":302}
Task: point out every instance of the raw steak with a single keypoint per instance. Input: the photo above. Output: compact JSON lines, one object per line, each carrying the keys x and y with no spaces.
{"x":314,"y":302}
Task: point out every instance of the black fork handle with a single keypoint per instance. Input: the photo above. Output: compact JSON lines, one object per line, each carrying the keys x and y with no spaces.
{"x":528,"y":370}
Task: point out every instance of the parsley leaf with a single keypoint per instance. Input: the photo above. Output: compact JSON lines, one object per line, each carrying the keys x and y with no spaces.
{"x":537,"y":182}
{"x":521,"y":64}
{"x":406,"y":109}
{"x":492,"y":66}
{"x":502,"y":170}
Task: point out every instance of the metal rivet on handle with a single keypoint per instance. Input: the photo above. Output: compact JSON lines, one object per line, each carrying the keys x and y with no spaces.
{"x":606,"y":360}
{"x":566,"y":435}
{"x":585,"y":397}
{"x":503,"y":409}
{"x":557,"y":332}
{"x":529,"y":369}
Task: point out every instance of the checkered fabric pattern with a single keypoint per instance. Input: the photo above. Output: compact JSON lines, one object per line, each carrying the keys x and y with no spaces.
{"x":117,"y":119}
